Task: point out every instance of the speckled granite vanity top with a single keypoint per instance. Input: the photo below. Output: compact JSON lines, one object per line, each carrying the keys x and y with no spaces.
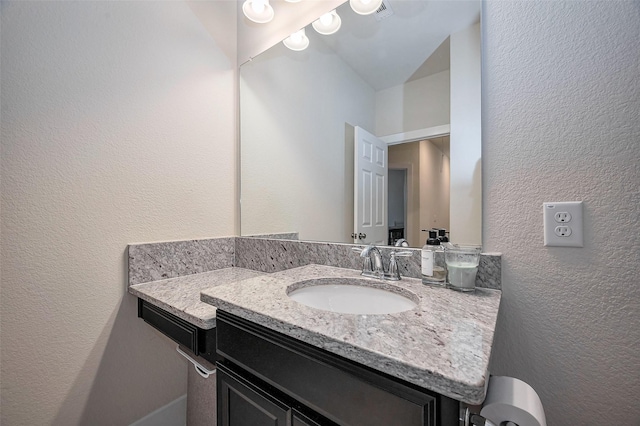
{"x":443,"y":344}
{"x":181,"y":296}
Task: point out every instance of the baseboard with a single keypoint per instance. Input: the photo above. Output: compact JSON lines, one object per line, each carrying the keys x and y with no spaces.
{"x":172,"y":414}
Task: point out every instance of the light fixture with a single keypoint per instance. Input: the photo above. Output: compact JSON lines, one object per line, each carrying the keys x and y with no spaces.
{"x":259,"y":11}
{"x":365,"y":7}
{"x":328,"y":23}
{"x":297,"y":41}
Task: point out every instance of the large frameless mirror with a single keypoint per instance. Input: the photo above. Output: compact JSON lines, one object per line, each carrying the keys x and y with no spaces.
{"x":370,"y":134}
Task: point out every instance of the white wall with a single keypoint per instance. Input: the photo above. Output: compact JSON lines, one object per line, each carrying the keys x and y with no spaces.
{"x":466,"y":143}
{"x":415,"y":105}
{"x":561,"y":122}
{"x":117,"y":127}
{"x":293,"y":146}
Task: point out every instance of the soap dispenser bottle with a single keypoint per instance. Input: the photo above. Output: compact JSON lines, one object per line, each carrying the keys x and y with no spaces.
{"x":442,"y":235}
{"x":433,"y":267}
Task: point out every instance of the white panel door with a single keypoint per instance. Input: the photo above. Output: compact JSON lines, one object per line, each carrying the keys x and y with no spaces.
{"x":370,"y":192}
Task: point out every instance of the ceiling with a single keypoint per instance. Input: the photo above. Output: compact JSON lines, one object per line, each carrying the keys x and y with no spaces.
{"x":410,"y":44}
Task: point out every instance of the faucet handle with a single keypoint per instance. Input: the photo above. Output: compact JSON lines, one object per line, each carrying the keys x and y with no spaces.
{"x":394,"y":272}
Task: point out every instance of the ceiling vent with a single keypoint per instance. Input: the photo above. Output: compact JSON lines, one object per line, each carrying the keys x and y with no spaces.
{"x":384,"y":11}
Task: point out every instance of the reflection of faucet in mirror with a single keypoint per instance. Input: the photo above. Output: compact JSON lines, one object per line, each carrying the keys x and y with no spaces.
{"x":402,"y":242}
{"x":297,"y":153}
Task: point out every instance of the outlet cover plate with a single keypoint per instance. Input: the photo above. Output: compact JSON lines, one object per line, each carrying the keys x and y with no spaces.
{"x":552,"y":238}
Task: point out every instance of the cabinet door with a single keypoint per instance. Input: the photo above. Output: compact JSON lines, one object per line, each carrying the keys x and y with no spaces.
{"x":242,"y":404}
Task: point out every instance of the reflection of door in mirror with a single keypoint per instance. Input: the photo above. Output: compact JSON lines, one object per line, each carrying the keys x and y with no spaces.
{"x":370,"y":199}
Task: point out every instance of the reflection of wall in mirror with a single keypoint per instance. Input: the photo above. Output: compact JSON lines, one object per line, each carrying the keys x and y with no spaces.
{"x":295,"y":173}
{"x":417,"y":104}
{"x":292,"y":170}
{"x":449,"y":97}
{"x":466,"y":185}
{"x":434,"y":188}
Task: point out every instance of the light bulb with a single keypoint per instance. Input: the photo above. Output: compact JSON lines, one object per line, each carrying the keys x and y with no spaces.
{"x":326,"y":19}
{"x":259,"y":11}
{"x":365,"y":7}
{"x":257,"y":6}
{"x":328,"y":23}
{"x":296,"y":37}
{"x":297,"y":41}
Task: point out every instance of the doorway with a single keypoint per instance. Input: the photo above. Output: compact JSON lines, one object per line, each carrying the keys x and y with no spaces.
{"x":397,"y":207}
{"x":425,"y":194}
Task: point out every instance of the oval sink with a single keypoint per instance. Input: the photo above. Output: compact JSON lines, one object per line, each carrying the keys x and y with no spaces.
{"x":352,"y":296}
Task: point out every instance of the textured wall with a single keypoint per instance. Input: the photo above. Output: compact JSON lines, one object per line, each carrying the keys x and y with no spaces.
{"x":561,"y":122}
{"x":117,"y":127}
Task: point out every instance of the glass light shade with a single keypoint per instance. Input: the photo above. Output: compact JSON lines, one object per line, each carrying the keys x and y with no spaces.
{"x":365,"y":7}
{"x":328,"y":23}
{"x":297,"y":41}
{"x":259,"y":11}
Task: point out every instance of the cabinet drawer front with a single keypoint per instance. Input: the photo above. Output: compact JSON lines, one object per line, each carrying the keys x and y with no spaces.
{"x":176,"y":328}
{"x":338,"y":389}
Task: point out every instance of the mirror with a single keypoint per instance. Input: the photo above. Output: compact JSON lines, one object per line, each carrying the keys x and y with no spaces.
{"x":412,"y":79}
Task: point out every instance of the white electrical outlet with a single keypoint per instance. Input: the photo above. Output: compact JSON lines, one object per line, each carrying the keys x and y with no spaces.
{"x":563,"y":224}
{"x":562,"y":217}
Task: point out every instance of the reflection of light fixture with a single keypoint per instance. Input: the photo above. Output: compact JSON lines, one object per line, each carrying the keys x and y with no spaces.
{"x":365,"y":7}
{"x":259,"y":11}
{"x":297,"y":41}
{"x":328,"y":23}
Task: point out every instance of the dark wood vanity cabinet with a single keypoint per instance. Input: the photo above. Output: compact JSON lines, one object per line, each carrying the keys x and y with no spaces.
{"x":267,"y":378}
{"x":199,"y":341}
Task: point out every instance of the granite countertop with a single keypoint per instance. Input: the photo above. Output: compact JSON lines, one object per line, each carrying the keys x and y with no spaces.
{"x":181,"y":296}
{"x":443,"y":344}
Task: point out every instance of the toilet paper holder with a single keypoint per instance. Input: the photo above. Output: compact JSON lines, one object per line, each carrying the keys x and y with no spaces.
{"x":508,"y":402}
{"x":473,"y":419}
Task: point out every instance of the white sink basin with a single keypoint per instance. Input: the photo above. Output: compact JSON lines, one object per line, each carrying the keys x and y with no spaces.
{"x":352,"y":296}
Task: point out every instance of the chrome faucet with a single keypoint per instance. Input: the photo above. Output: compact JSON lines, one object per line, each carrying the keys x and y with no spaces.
{"x":372,"y":265}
